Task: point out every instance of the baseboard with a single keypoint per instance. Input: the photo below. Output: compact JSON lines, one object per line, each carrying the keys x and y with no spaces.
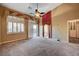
{"x":10,"y":41}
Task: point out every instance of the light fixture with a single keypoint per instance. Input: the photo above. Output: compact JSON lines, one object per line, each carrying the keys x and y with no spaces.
{"x":37,"y":13}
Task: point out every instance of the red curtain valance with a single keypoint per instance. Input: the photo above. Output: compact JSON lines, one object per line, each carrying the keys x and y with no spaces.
{"x":46,"y":19}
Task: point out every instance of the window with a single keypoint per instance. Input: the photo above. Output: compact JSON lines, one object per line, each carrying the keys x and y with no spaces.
{"x":34,"y":27}
{"x":15,"y":25}
{"x":9,"y":26}
{"x":22,"y":27}
{"x":18,"y":26}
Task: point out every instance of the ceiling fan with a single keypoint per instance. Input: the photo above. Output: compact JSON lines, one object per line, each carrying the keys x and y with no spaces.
{"x":37,"y":13}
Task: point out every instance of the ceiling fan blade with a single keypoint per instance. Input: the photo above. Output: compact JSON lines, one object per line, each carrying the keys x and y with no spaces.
{"x":29,"y":7}
{"x":42,"y":13}
{"x":31,"y":13}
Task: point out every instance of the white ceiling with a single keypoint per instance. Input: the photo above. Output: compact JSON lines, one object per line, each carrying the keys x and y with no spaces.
{"x":24,"y":7}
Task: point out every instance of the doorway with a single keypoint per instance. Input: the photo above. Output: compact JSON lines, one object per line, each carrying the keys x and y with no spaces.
{"x":35,"y":30}
{"x":46,"y":31}
{"x":73,"y":31}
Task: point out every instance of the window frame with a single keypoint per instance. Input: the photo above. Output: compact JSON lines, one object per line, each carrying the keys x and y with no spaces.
{"x":12,"y":31}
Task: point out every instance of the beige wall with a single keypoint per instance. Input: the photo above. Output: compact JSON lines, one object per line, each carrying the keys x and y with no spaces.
{"x":78,"y":29}
{"x":15,"y":36}
{"x":4,"y":37}
{"x":61,"y":15}
{"x":0,"y":28}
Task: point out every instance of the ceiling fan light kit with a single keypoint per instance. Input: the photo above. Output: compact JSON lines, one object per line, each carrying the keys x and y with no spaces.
{"x":37,"y":13}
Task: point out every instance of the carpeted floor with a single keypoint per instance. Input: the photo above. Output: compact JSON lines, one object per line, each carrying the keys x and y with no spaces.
{"x":39,"y":47}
